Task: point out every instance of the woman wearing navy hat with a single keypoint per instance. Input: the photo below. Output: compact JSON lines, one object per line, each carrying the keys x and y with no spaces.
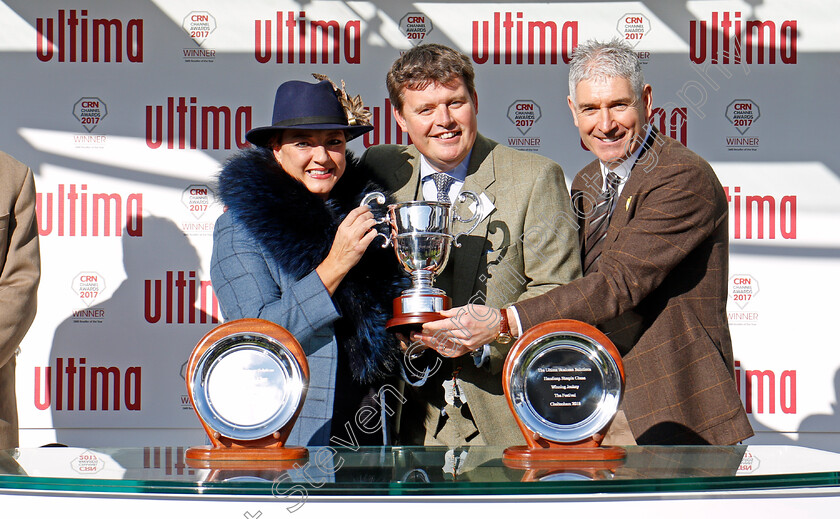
{"x":293,"y":247}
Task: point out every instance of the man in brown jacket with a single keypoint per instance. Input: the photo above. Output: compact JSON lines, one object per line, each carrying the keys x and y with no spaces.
{"x":654,"y":248}
{"x":20,"y":272}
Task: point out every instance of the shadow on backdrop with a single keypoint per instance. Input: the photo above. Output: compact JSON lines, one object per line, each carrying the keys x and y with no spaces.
{"x":121,"y":361}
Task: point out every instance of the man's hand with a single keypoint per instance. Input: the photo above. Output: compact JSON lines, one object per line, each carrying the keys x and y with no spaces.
{"x":463,"y":330}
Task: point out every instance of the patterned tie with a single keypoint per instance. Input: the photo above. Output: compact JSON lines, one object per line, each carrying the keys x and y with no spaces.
{"x":599,"y":222}
{"x":443,"y":182}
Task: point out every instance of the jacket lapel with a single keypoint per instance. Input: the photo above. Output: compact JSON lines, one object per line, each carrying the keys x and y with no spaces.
{"x":465,"y":260}
{"x":584,"y":205}
{"x":410,"y":169}
{"x":629,"y":194}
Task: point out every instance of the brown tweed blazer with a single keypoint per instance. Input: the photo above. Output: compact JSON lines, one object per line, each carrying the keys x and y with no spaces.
{"x":20,"y":272}
{"x":659,"y":291}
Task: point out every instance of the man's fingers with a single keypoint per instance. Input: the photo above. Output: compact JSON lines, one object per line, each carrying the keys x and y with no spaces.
{"x":438,"y":340}
{"x":452,"y":312}
{"x":448,"y":324}
{"x":451,"y":350}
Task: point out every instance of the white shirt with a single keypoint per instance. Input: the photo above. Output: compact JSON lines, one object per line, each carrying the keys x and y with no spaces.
{"x":622,"y":170}
{"x":459,"y":173}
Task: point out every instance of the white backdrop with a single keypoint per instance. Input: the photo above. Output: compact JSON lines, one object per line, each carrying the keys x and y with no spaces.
{"x":126,"y":110}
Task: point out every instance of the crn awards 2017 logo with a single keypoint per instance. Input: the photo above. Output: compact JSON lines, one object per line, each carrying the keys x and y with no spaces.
{"x":743,"y":289}
{"x":90,"y":111}
{"x":633,"y":27}
{"x":742,"y":114}
{"x":88,"y":286}
{"x":198,"y":199}
{"x":749,"y":464}
{"x":199,"y":25}
{"x":524,"y":114}
{"x":415,"y":27}
{"x":87,"y":463}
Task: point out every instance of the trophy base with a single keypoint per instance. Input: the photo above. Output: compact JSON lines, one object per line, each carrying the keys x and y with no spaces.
{"x":411,"y":311}
{"x":529,"y":455}
{"x":210,"y":454}
{"x":408,"y":323}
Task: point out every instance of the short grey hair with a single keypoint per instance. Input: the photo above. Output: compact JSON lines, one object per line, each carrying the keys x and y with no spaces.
{"x":602,"y":60}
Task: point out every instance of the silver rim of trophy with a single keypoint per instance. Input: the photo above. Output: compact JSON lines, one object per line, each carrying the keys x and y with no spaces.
{"x":247,"y":386}
{"x":603,"y":395}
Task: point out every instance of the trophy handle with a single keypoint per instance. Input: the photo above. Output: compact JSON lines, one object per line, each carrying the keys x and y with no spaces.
{"x":475,"y":218}
{"x":380,"y":199}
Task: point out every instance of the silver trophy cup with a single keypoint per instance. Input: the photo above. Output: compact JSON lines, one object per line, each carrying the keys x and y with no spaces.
{"x":421,"y":236}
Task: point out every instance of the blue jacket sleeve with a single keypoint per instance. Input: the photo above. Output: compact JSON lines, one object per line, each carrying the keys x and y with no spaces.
{"x":248,"y":284}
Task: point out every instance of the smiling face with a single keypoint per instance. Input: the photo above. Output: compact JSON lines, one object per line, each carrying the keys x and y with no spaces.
{"x":313,"y":157}
{"x":610,"y":117}
{"x":441,"y":121}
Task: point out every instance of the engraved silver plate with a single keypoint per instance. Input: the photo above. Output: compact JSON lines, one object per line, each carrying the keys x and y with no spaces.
{"x":247,"y":386}
{"x":565,"y":386}
{"x":411,"y":305}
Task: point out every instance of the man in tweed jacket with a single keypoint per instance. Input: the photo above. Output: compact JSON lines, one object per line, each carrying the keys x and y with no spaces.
{"x":20,"y":273}
{"x":524,"y":246}
{"x":656,"y":282}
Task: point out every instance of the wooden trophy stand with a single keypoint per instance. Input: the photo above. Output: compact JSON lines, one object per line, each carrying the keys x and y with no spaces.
{"x":404,"y":322}
{"x":539,"y":450}
{"x":591,"y":470}
{"x":271,"y":448}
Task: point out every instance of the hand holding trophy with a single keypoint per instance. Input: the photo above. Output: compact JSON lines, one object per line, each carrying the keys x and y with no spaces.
{"x":421,"y":234}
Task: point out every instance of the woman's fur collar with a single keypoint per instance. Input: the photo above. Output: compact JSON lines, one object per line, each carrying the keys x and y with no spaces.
{"x":297,"y":229}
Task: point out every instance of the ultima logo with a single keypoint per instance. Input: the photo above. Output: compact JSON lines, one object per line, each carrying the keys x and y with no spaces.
{"x":72,"y":385}
{"x":176,"y":299}
{"x":185,"y":120}
{"x":513,"y":41}
{"x":385,"y":128}
{"x":291,"y":44}
{"x":762,"y":38}
{"x":673,"y":123}
{"x":72,"y":211}
{"x":168,"y":459}
{"x":758,"y":217}
{"x":78,"y":39}
{"x":760,"y":392}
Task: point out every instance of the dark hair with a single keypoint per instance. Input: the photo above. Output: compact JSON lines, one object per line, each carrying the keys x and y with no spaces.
{"x":425,"y":64}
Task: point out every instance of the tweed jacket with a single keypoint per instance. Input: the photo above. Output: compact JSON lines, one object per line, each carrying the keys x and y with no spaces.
{"x":526,"y":246}
{"x":265,"y":249}
{"x":659,"y":291}
{"x":20,"y":273}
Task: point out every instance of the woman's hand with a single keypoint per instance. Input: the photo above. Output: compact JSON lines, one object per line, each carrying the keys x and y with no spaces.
{"x":352,"y":238}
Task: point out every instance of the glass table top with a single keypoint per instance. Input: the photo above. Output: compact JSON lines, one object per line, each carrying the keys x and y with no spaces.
{"x":417,"y":471}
